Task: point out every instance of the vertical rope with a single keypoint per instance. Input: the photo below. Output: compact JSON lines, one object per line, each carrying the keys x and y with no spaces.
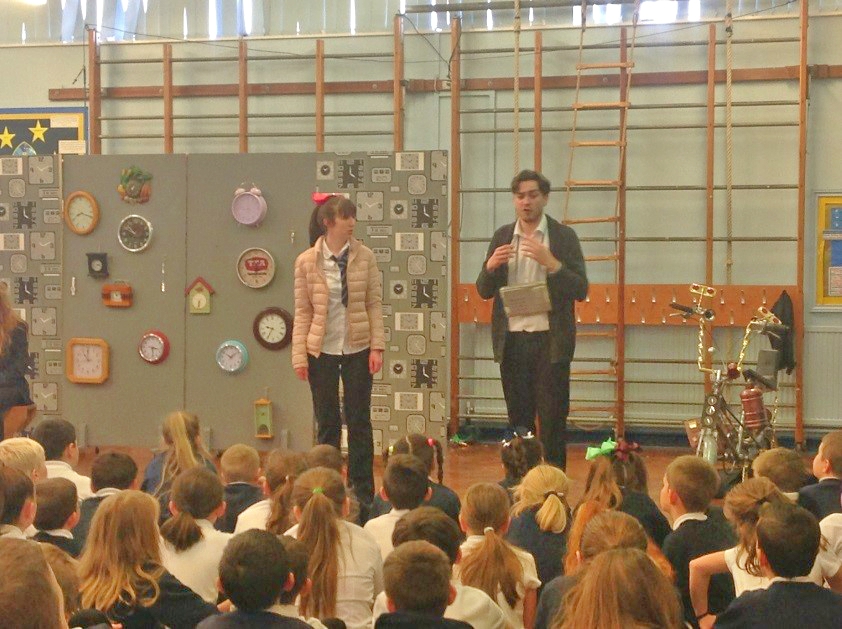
{"x":516,"y":93}
{"x":729,"y":142}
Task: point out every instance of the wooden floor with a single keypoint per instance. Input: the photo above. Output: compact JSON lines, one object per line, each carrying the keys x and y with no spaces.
{"x":472,"y":464}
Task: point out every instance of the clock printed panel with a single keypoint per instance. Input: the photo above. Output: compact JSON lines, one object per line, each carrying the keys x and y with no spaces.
{"x":41,"y":170}
{"x":350,"y":174}
{"x":369,"y":206}
{"x":45,"y":396}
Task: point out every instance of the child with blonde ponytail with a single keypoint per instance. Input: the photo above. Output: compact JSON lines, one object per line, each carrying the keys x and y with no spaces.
{"x":541,"y":518}
{"x":182,"y":450}
{"x":506,"y":573}
{"x":192,"y":547}
{"x":345,"y":565}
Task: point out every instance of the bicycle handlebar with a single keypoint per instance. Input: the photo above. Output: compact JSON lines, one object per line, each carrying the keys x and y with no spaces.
{"x":689,"y":311}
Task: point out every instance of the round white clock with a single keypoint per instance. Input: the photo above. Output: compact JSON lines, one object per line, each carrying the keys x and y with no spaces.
{"x":273,"y":328}
{"x":154,"y":347}
{"x":232,"y":356}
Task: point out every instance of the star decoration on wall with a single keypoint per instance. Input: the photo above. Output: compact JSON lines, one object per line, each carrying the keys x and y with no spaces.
{"x":38,"y":132}
{"x":6,"y":138}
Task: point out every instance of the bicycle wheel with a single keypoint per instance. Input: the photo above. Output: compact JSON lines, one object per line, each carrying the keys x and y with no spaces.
{"x":709,"y":448}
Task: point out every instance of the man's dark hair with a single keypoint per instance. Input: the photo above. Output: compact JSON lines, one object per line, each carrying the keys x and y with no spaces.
{"x":789,"y":537}
{"x":57,"y":500}
{"x":429,"y":524}
{"x":17,"y":488}
{"x":54,"y":435}
{"x":405,"y":481}
{"x":113,"y":469}
{"x":531,"y":175}
{"x":253,"y":570}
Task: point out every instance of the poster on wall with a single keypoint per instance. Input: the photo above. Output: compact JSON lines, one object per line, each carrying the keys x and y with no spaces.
{"x":43,"y":131}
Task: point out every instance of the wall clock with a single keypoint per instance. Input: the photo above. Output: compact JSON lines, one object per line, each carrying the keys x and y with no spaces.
{"x":249,"y":206}
{"x":45,"y":396}
{"x":117,"y":295}
{"x":263,"y":418}
{"x":232,"y":356}
{"x":199,"y":296}
{"x":154,"y":347}
{"x":273,"y":328}
{"x":87,"y":360}
{"x":134,"y":233}
{"x":255,"y":267}
{"x":97,"y":265}
{"x":81,"y":212}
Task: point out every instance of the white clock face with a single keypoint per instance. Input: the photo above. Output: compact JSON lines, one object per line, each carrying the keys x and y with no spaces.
{"x":81,"y":214}
{"x":45,"y":396}
{"x":232,"y":356}
{"x":152,"y":348}
{"x":88,"y":361}
{"x":256,"y":267}
{"x":272,"y":328}
{"x":199,"y":300}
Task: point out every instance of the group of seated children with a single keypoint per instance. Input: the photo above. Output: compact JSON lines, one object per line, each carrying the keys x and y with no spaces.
{"x":286,"y":543}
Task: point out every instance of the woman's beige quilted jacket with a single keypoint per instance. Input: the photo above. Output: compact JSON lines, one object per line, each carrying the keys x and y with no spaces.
{"x":365,"y":308}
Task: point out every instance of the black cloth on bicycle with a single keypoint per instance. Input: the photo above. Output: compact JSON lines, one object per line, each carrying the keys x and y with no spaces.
{"x":785,"y":345}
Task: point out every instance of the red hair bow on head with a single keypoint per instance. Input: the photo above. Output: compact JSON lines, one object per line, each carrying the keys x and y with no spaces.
{"x":320,"y":197}
{"x":624,"y":448}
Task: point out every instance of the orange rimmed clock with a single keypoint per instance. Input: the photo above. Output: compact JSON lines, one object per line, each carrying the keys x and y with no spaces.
{"x":86,"y":360}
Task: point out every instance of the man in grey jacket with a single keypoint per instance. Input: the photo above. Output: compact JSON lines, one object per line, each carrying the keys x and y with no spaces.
{"x":535,"y":350}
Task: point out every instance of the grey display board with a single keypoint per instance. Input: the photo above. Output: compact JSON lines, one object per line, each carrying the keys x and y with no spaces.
{"x":30,"y":265}
{"x":403,"y":217}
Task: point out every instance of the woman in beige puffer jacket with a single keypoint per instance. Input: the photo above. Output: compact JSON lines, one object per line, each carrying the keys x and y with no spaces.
{"x":338,"y":333}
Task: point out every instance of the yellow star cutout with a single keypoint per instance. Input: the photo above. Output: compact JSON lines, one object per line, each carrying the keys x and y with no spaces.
{"x":6,"y":138}
{"x":38,"y":131}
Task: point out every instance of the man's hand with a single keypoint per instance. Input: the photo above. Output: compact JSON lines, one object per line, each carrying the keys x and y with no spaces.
{"x":501,"y":256}
{"x":539,"y":252}
{"x":375,"y":361}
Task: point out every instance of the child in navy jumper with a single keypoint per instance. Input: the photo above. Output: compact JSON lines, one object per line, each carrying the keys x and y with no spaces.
{"x":418,"y":589}
{"x":254,"y":572}
{"x":239,"y":467}
{"x":788,"y":540}
{"x":57,"y":514}
{"x":690,"y":483}
{"x":111,"y":473}
{"x":429,"y":450}
{"x":827,"y":467}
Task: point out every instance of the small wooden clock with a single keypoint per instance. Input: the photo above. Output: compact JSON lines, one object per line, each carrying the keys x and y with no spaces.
{"x":263,"y":428}
{"x":272,"y":328}
{"x":86,"y":360}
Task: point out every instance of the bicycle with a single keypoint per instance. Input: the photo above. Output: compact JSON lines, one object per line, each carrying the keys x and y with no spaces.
{"x":723,"y":434}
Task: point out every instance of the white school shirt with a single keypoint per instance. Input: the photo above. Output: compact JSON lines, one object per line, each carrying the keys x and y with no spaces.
{"x":11,"y":531}
{"x":530,"y":580}
{"x":336,"y":336}
{"x":693,"y":515}
{"x":831,"y":527}
{"x":198,"y":566}
{"x":291,"y":611}
{"x":60,"y":469}
{"x":360,"y":574}
{"x":826,"y":565}
{"x":381,"y":529}
{"x":254,"y":517}
{"x":471,"y":605}
{"x":523,"y":270}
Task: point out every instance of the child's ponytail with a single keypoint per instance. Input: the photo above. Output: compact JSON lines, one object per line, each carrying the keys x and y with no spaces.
{"x":320,"y":495}
{"x":196,"y":494}
{"x":492,"y":566}
{"x":282,"y":468}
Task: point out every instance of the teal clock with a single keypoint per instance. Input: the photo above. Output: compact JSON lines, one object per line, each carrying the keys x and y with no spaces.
{"x":232,"y":356}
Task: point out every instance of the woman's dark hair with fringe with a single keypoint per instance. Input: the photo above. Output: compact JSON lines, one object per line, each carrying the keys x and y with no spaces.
{"x":428,"y":449}
{"x":196,"y":493}
{"x":334,"y":206}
